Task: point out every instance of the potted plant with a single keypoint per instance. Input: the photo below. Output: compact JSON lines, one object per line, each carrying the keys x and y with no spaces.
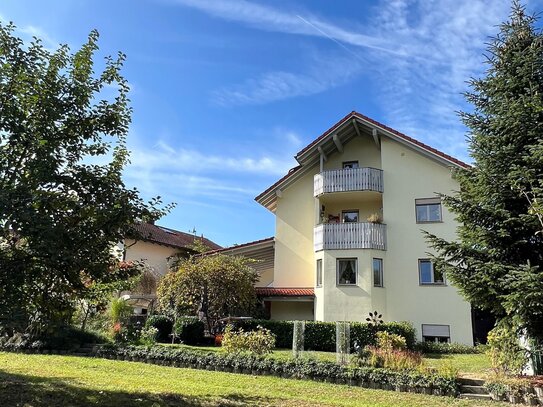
{"x":374,"y":218}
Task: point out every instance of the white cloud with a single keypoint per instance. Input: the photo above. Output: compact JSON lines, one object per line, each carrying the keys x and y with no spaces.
{"x":182,"y":159}
{"x":325,"y":72}
{"x":180,"y":174}
{"x":272,"y":19}
{"x":431,"y":48}
{"x":446,"y":39}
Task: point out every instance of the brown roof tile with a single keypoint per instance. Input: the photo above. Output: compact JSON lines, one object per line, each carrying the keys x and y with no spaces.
{"x":170,"y":237}
{"x":284,"y":292}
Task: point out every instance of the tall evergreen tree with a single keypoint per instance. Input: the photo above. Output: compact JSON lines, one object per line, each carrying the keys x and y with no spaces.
{"x":498,"y":258}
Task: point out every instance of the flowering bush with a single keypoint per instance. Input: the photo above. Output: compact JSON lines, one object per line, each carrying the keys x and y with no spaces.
{"x":148,"y":335}
{"x":259,"y":342}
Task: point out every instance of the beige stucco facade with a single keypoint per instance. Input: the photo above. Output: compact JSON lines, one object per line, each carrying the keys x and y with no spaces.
{"x":408,"y":173}
{"x":157,"y":257}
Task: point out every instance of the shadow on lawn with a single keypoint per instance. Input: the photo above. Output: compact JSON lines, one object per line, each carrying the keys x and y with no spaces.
{"x":35,"y":391}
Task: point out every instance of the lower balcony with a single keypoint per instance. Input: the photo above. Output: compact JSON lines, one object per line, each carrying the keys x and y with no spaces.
{"x":352,"y":235}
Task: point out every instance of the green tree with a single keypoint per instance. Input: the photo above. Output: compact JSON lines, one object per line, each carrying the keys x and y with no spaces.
{"x":210,"y":287}
{"x":496,"y":261}
{"x":63,"y":204}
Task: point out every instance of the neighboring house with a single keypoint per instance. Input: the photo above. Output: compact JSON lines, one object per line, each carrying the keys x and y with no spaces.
{"x":349,"y":222}
{"x":158,"y":247}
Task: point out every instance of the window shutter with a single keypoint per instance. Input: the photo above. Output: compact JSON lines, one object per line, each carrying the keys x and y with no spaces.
{"x":428,"y":201}
{"x":436,"y":330}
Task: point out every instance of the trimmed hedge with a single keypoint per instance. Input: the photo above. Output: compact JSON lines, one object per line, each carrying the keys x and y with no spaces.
{"x":321,"y":336}
{"x":448,"y":348}
{"x":189,"y":330}
{"x":297,"y":369}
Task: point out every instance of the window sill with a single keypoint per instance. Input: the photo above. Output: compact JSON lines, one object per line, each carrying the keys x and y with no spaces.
{"x":432,"y":284}
{"x":423,"y":222}
{"x":346,"y":285}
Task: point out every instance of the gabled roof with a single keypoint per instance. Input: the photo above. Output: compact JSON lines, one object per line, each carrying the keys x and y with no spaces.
{"x":169,"y":237}
{"x":353,"y":123}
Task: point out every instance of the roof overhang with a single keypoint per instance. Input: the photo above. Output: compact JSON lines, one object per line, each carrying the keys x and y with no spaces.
{"x":352,"y":125}
{"x":261,"y":250}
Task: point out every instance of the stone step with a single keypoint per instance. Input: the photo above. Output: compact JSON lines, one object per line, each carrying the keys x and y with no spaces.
{"x":467,"y":381}
{"x":473,"y":396}
{"x":468,"y":388}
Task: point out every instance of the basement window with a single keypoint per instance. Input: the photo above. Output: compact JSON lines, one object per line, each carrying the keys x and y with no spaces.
{"x":436,"y":333}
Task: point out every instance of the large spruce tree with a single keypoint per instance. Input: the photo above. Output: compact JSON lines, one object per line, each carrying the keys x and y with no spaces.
{"x":498,"y":258}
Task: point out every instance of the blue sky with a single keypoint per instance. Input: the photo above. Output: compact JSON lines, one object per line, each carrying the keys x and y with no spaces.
{"x":225,"y":92}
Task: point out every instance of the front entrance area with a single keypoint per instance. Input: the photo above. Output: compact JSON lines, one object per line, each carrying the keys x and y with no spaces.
{"x":288,"y":304}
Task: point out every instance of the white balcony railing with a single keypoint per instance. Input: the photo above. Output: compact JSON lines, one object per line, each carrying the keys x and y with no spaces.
{"x":362,"y":235}
{"x":349,"y":179}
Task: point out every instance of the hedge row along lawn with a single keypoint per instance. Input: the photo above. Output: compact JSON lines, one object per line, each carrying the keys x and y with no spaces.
{"x":49,"y":380}
{"x":472,"y":364}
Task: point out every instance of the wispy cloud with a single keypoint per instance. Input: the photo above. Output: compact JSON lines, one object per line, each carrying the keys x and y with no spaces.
{"x":324,"y":72}
{"x":446,"y":39}
{"x":420,"y":55}
{"x":164,"y":155}
{"x":272,"y":19}
{"x":201,"y":175}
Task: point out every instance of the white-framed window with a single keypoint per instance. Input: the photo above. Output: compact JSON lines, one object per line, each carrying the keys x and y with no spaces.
{"x":377,"y":272}
{"x":428,"y":274}
{"x":346,"y":271}
{"x":319,"y":273}
{"x":428,"y":210}
{"x":349,"y":216}
{"x":350,"y":165}
{"x":436,"y":333}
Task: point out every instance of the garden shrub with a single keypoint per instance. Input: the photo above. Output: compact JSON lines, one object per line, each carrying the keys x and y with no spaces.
{"x":189,"y":330}
{"x":386,"y":340}
{"x":163,"y":324}
{"x":148,"y":335}
{"x":65,"y":338}
{"x":448,"y":348}
{"x":259,"y":342}
{"x":506,"y":354}
{"x":393,"y":359}
{"x":299,"y":368}
{"x":321,"y":336}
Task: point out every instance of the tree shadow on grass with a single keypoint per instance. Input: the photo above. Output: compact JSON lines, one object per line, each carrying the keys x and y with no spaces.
{"x":34,"y":391}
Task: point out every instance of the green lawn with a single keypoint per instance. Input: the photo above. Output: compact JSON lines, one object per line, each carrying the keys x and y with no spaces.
{"x":48,"y":380}
{"x":473,"y":364}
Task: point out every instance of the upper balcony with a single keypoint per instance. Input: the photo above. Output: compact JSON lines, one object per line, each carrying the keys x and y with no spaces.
{"x":348,"y":179}
{"x":352,"y":235}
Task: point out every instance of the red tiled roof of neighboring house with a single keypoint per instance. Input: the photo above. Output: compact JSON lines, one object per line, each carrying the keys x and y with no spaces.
{"x":350,"y":116}
{"x":285,"y":292}
{"x":237,"y":246}
{"x":170,"y":237}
